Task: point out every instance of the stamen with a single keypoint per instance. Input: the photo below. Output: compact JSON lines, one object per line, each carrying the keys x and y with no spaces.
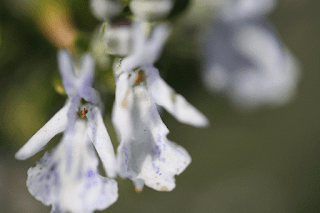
{"x":140,"y":77}
{"x":83,"y":113}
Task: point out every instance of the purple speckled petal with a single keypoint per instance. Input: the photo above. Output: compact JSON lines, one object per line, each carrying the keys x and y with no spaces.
{"x":68,"y":179}
{"x":83,"y":188}
{"x":43,"y":180}
{"x":145,"y":155}
{"x":98,"y":192}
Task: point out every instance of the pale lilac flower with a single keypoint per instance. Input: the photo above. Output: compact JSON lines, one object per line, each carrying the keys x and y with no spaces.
{"x":246,"y":59}
{"x":146,"y":52}
{"x":145,"y":155}
{"x":68,"y":178}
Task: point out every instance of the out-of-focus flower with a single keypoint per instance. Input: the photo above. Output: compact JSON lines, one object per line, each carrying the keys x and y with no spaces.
{"x":151,"y":10}
{"x":104,"y":9}
{"x":68,"y":178}
{"x":241,"y":9}
{"x":117,"y":35}
{"x":246,"y":59}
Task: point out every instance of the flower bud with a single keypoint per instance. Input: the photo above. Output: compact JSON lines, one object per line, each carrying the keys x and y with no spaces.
{"x":104,"y":9}
{"x":151,"y":10}
{"x":117,"y":36}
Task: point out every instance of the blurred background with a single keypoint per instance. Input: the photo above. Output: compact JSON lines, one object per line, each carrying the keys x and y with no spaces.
{"x":267,"y":160}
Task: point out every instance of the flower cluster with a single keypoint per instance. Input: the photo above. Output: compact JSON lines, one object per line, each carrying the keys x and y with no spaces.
{"x":245,"y":59}
{"x":67,"y":177}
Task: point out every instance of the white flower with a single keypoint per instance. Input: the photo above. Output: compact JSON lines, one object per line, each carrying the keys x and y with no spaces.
{"x":145,"y":155}
{"x":67,"y":178}
{"x":246,"y":59}
{"x":145,"y":53}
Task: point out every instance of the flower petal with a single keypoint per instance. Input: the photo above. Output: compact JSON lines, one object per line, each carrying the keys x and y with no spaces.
{"x":145,"y":155}
{"x":75,"y":188}
{"x":92,"y":192}
{"x":43,"y":180}
{"x":167,"y":160}
{"x":135,"y":59}
{"x":67,"y":72}
{"x":155,"y":44}
{"x":86,"y":80}
{"x":123,"y":102}
{"x":57,"y":124}
{"x":100,"y":138}
{"x":174,"y":103}
{"x":145,"y":51}
{"x":83,"y":188}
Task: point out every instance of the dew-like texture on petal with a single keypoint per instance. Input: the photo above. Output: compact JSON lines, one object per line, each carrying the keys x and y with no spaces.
{"x":101,"y":140}
{"x":75,"y":188}
{"x":145,"y":155}
{"x":57,"y":124}
{"x":248,"y":62}
{"x":174,"y":103}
